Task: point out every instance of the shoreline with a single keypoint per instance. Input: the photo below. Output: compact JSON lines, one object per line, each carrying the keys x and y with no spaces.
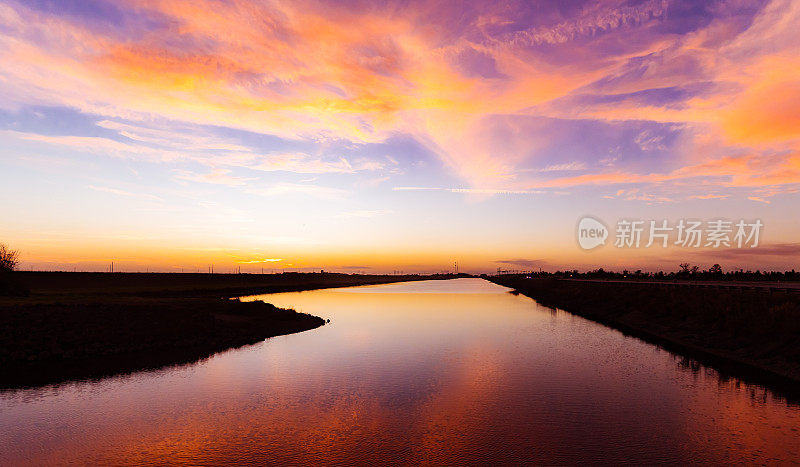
{"x":84,"y":326}
{"x":732,"y":349}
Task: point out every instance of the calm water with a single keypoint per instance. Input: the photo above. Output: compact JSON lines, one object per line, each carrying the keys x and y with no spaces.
{"x":431,"y":372}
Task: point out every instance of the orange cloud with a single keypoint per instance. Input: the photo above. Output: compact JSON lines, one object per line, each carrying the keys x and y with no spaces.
{"x":769,"y":110}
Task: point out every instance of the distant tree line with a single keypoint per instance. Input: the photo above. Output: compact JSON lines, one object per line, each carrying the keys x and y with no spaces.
{"x":685,"y":271}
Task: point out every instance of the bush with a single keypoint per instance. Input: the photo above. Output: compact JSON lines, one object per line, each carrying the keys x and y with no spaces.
{"x":9,"y":259}
{"x":9,"y":285}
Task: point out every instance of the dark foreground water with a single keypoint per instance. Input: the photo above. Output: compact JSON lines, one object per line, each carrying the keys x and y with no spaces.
{"x":428,"y":372}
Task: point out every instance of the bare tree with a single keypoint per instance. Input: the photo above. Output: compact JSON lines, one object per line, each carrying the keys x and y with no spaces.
{"x":9,"y":259}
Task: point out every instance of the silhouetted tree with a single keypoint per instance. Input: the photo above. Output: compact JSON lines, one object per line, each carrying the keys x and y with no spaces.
{"x":9,"y":259}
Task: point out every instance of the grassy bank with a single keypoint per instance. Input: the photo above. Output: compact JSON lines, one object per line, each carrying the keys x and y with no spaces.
{"x":82,"y":325}
{"x":78,"y":285}
{"x":751,"y":333}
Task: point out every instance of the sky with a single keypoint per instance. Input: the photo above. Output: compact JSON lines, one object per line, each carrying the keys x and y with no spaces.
{"x":394,"y":136}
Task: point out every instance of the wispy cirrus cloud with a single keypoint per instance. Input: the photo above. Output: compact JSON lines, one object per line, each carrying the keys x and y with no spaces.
{"x":216,"y":177}
{"x":278,"y":189}
{"x":117,"y":191}
{"x":147,"y":144}
{"x":709,"y":196}
{"x":475,"y":191}
{"x":257,"y":260}
{"x":593,"y":20}
{"x":303,"y":163}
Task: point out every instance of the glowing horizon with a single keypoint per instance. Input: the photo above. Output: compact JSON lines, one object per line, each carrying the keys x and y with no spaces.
{"x":169,"y":135}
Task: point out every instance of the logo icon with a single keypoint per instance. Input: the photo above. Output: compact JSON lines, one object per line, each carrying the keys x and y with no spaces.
{"x":591,"y":233}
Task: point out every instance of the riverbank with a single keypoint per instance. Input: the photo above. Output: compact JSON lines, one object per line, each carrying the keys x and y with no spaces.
{"x":751,"y":333}
{"x":89,"y":325}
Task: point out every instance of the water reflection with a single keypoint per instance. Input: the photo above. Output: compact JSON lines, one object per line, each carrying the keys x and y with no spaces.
{"x":425,"y":372}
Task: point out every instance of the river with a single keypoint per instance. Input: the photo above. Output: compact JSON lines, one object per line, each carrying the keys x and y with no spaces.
{"x":430,"y":372}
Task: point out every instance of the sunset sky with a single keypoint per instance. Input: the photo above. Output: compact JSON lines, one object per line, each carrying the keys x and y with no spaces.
{"x":347,"y":136}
